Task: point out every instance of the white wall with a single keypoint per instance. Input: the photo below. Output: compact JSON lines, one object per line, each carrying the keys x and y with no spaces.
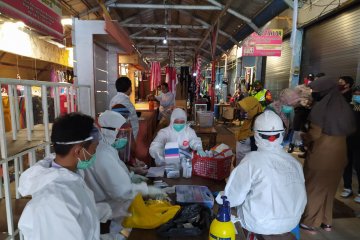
{"x":83,"y":31}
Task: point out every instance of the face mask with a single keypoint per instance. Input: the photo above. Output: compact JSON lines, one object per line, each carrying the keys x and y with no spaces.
{"x":341,"y":87}
{"x":84,"y":164}
{"x":316,"y":96}
{"x":286,"y":109}
{"x":120,"y":143}
{"x":178,"y":126}
{"x":356,"y":99}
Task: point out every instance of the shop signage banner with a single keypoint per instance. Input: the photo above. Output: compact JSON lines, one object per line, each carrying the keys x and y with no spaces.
{"x":266,"y":44}
{"x":42,"y":15}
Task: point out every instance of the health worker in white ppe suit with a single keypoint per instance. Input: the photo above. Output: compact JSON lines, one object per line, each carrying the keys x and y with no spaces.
{"x":109,"y":178}
{"x":178,"y":131}
{"x":62,"y":206}
{"x":267,"y":187}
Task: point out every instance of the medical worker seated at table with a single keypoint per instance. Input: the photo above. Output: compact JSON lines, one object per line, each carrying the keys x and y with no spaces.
{"x":62,"y":206}
{"x":178,"y":131}
{"x":267,"y":187}
{"x":109,"y":178}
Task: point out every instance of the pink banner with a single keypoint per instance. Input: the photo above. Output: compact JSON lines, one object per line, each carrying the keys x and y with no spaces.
{"x":266,"y":44}
{"x":43,"y":16}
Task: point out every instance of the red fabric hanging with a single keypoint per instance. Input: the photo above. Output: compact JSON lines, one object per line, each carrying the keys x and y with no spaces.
{"x":155,"y":75}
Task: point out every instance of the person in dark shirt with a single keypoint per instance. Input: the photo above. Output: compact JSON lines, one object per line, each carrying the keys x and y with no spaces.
{"x":345,"y":84}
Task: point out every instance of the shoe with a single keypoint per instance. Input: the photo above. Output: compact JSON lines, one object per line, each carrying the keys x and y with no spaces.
{"x":291,"y":148}
{"x":308,"y":229}
{"x":346,"y":193}
{"x":357,"y":198}
{"x":326,"y":227}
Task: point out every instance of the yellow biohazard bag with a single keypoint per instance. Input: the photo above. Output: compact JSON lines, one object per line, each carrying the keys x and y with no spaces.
{"x":150,"y":215}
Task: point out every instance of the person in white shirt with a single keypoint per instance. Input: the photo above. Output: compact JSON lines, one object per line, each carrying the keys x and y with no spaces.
{"x":62,"y":206}
{"x":123,"y":87}
{"x":166,"y":100}
{"x":268,"y":186}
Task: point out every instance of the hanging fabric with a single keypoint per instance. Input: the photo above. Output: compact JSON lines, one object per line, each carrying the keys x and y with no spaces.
{"x":155,"y":75}
{"x":171,"y":79}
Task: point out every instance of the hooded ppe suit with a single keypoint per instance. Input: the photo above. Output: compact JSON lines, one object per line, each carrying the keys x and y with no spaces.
{"x":62,"y":206}
{"x":186,"y":138}
{"x":267,"y":187}
{"x":122,"y":98}
{"x":109,"y":177}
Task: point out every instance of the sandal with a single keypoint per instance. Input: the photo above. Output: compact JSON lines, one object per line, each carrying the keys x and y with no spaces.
{"x":326,"y":227}
{"x":308,"y":229}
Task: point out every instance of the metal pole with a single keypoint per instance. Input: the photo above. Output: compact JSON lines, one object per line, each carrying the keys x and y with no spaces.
{"x":78,"y":99}
{"x":72,"y":95}
{"x":67,"y":104}
{"x":17,"y":108}
{"x":45,"y":117}
{"x":12,"y":111}
{"x":3,"y":143}
{"x":57,"y":102}
{"x":21,"y":163}
{"x":16,"y":165}
{"x":9,"y":213}
{"x":31,"y":109}
{"x":27,"y":111}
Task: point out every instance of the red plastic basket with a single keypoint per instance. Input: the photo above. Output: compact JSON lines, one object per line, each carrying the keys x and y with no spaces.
{"x":211,"y":167}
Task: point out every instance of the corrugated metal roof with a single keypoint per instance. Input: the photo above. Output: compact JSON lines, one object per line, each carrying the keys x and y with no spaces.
{"x":176,"y":22}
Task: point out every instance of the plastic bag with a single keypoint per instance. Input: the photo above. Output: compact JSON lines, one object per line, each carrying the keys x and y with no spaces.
{"x":150,"y":215}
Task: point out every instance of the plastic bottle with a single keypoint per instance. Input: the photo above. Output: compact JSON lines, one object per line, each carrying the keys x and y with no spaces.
{"x":222,"y":227}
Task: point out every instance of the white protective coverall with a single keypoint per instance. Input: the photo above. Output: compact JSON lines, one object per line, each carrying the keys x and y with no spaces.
{"x":186,"y":138}
{"x":62,"y":206}
{"x":267,"y":187}
{"x":122,"y":98}
{"x":109,"y":177}
{"x":166,"y":101}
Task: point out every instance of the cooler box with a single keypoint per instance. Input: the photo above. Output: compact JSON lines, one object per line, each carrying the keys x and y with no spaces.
{"x":189,"y":194}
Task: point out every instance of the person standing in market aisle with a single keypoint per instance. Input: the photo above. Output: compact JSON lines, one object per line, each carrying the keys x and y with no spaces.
{"x":62,"y":206}
{"x":261,"y":94}
{"x":166,"y":100}
{"x":326,"y":154}
{"x":267,"y":187}
{"x":353,"y":151}
{"x":123,"y":87}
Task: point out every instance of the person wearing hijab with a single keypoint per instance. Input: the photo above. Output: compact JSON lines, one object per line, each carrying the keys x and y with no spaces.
{"x":178,"y":131}
{"x":109,"y":178}
{"x":250,"y":107}
{"x":267,"y":187}
{"x":331,"y":120}
{"x":284,"y":107}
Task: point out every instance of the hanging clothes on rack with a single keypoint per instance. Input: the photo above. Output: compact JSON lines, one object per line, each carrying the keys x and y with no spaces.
{"x":155,"y":77}
{"x":6,"y":108}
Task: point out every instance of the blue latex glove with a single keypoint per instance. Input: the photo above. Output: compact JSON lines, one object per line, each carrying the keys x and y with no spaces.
{"x":202,"y":153}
